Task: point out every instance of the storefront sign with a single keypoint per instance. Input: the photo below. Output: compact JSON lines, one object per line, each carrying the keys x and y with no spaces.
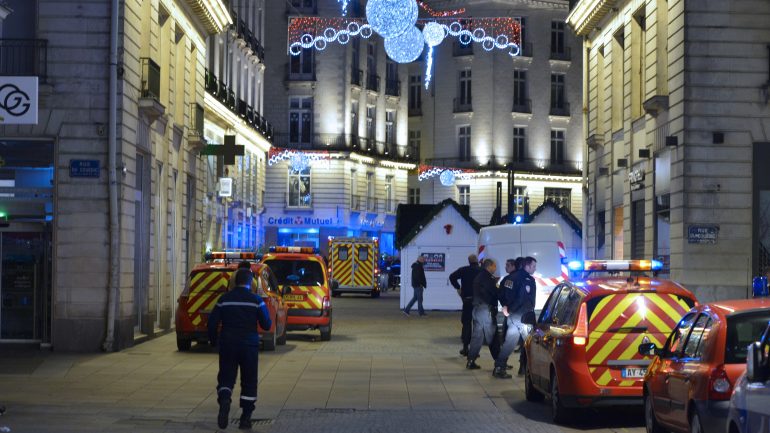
{"x":225,"y":186}
{"x":299,"y":221}
{"x":702,"y":234}
{"x":636,"y":178}
{"x":434,"y":262}
{"x":18,"y":100}
{"x":84,"y":168}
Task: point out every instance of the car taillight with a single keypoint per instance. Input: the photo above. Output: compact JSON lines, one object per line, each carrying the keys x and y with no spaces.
{"x":580,"y":335}
{"x":720,"y":387}
{"x":327,"y":303}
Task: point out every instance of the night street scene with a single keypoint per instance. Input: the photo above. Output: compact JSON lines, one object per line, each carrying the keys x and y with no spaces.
{"x":416,"y":216}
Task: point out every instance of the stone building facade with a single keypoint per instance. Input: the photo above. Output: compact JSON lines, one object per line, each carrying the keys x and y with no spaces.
{"x":487,"y":111}
{"x":676,"y":115}
{"x":66,"y":281}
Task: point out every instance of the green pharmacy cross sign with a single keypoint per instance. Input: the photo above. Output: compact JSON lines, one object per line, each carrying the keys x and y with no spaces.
{"x":227,"y":151}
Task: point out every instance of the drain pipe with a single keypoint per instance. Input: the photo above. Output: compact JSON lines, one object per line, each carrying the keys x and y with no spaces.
{"x":112,"y":285}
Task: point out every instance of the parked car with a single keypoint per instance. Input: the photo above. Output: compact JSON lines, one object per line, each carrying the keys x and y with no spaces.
{"x":208,"y":281}
{"x":750,"y":403}
{"x":689,"y":383}
{"x":582,"y":351}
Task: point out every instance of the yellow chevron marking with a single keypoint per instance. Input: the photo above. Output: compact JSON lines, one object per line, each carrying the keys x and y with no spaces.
{"x":663,"y":305}
{"x":203,"y":299}
{"x":209,"y":276}
{"x":605,"y":378}
{"x":627,"y":383}
{"x":195,"y":278}
{"x":197,"y":320}
{"x":615,"y":313}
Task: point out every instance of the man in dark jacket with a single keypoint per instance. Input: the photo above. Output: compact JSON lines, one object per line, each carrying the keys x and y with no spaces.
{"x":419,"y":283}
{"x":518,"y":298}
{"x":484,"y":301}
{"x":239,"y":311}
{"x":462,"y":281}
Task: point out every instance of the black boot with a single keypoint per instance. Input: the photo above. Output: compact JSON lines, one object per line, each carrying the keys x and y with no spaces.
{"x":464,"y":351}
{"x":521,"y":370}
{"x":224,"y":412}
{"x":471,"y":365}
{"x":245,"y":423}
{"x":500,"y":373}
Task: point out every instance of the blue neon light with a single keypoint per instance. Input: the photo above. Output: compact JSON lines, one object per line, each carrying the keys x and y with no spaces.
{"x":575,"y":265}
{"x":656,"y":265}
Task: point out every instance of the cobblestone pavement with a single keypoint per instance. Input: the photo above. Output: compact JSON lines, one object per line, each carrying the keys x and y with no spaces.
{"x":381,"y":372}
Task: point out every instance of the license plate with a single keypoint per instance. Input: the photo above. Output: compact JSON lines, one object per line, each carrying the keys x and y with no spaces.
{"x":294,"y":297}
{"x":633,"y":373}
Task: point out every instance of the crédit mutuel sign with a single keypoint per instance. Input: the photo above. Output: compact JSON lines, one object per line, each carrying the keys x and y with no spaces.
{"x":18,"y":100}
{"x":300,"y":221}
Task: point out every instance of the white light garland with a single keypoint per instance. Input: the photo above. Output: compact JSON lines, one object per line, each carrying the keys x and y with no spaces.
{"x":391,"y":18}
{"x":438,"y":171}
{"x":344,"y":7}
{"x":406,"y":47}
{"x":330,"y":35}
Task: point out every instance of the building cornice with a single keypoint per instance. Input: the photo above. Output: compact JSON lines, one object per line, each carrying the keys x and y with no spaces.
{"x":212,"y":13}
{"x":454,"y":4}
{"x":587,"y":14}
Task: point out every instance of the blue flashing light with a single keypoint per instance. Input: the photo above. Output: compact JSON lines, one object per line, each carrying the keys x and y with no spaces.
{"x":656,"y":265}
{"x":518,"y":219}
{"x":575,"y":265}
{"x":759,"y":286}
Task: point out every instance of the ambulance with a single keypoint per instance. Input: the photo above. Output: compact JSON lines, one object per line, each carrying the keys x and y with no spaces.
{"x":541,"y":241}
{"x":353,"y":265}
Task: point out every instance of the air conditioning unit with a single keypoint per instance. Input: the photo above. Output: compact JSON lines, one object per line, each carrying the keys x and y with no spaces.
{"x":622,"y":162}
{"x":672,"y":140}
{"x":604,"y":171}
{"x":644,"y":153}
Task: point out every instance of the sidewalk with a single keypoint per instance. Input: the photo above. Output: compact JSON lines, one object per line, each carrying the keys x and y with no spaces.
{"x":380,"y":372}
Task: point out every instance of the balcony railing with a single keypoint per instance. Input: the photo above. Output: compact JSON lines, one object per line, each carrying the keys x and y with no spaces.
{"x":501,"y":164}
{"x":224,"y":94}
{"x":150,"y":79}
{"x":349,"y":143}
{"x":356,"y":77}
{"x":196,"y":118}
{"x":393,"y":87}
{"x":244,"y":33}
{"x":373,"y":82}
{"x":462,"y":105}
{"x":24,"y":57}
{"x":564,"y":55}
{"x":560,"y":110}
{"x":295,"y":200}
{"x":522,"y":106}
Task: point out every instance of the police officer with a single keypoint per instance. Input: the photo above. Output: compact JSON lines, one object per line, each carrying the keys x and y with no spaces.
{"x":506,"y":287}
{"x":518,"y":299}
{"x":239,"y":311}
{"x":484,"y":301}
{"x":462,"y":281}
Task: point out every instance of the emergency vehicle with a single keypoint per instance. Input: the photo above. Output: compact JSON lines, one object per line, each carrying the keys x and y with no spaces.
{"x":308,"y":297}
{"x":353,"y":264}
{"x":208,"y":281}
{"x":583,"y":350}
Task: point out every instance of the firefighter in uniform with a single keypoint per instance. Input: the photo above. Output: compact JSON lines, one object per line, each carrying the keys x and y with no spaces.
{"x":484,"y":302}
{"x":462,"y":281}
{"x":518,"y":299}
{"x":239,"y":311}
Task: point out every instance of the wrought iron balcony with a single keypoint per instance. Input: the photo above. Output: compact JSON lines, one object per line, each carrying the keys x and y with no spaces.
{"x":348,"y":143}
{"x":462,"y":105}
{"x":532,"y":165}
{"x":356,"y":77}
{"x":560,"y":110}
{"x":522,"y":106}
{"x":224,"y":94}
{"x":393,"y":87}
{"x":244,"y":33}
{"x":565,"y":54}
{"x":373,"y":82}
{"x":150,"y":79}
{"x":24,"y":57}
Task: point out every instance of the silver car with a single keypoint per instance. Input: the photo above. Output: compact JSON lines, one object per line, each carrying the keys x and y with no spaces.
{"x":750,"y":403}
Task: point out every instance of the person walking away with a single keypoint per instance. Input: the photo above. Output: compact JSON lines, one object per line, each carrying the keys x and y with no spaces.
{"x":462,"y":281}
{"x":244,"y":264}
{"x":518,"y":300}
{"x":238,"y":311}
{"x":419,"y":284}
{"x":504,"y":293}
{"x":484,"y":300}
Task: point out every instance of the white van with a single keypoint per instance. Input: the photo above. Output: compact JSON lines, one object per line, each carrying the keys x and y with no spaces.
{"x":541,"y":241}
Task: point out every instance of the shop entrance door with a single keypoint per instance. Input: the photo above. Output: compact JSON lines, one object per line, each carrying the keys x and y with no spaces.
{"x":25,"y":286}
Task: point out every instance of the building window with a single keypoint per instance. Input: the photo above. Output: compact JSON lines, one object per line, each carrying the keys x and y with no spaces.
{"x":464,"y":142}
{"x":559,"y":105}
{"x":371,"y":124}
{"x":415,"y":138}
{"x":354,"y":119}
{"x":519,"y":199}
{"x":390,"y":127}
{"x":465,"y":90}
{"x":559,"y":196}
{"x":371,"y":200}
{"x":392,"y":84}
{"x":557,"y":146}
{"x":415,"y":94}
{"x":304,"y":4}
{"x":558,"y":44}
{"x":390,"y":206}
{"x":526,"y":47}
{"x":464,"y":194}
{"x":353,"y":189}
{"x":302,"y":65}
{"x":299,"y":188}
{"x":520,"y":102}
{"x":413,"y":195}
{"x":300,"y":120}
{"x":519,"y":143}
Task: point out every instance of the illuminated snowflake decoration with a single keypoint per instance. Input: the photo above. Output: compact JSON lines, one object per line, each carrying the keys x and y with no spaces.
{"x":299,"y":162}
{"x":406,"y":47}
{"x":447,"y":178}
{"x":426,"y":172}
{"x":433,"y":33}
{"x":391,"y":18}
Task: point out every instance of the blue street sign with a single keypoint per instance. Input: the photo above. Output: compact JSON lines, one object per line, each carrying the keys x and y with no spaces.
{"x":84,"y":168}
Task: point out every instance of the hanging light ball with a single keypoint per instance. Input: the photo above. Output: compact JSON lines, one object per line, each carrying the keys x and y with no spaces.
{"x":299,"y":162}
{"x":390,"y":18}
{"x":407,"y":47}
{"x":433,"y":33}
{"x":447,"y":178}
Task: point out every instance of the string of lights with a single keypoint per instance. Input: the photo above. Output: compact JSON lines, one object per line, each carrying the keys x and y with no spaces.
{"x":298,"y":160}
{"x":435,"y":13}
{"x":447,"y":176}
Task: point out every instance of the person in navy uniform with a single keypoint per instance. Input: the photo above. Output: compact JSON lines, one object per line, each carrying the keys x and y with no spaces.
{"x":518,"y":299}
{"x":462,"y":281}
{"x":484,"y":302}
{"x":239,"y":311}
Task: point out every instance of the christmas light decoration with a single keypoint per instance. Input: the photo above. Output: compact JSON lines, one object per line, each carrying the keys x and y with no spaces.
{"x":447,"y":178}
{"x":434,"y":34}
{"x":298,"y":160}
{"x":434,"y":13}
{"x":391,"y":18}
{"x":426,"y":172}
{"x":344,"y":6}
{"x":406,"y":47}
